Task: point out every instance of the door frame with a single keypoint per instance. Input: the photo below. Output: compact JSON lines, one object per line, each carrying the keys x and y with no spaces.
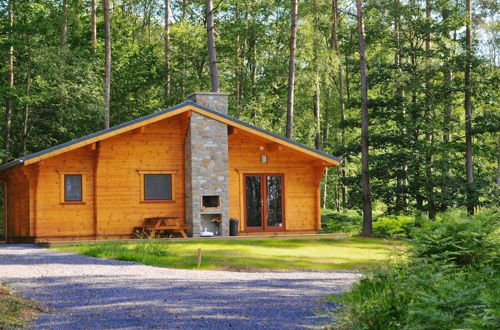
{"x":263,"y":193}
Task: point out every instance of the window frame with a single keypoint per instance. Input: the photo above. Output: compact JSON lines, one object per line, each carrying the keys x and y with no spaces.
{"x":142,"y":174}
{"x":63,"y":188}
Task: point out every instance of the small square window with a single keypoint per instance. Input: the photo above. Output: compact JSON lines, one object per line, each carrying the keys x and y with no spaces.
{"x":157,"y":187}
{"x":73,"y":188}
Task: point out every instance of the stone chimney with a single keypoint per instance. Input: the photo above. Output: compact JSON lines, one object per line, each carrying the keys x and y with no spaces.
{"x":206,"y":172}
{"x":214,"y":101}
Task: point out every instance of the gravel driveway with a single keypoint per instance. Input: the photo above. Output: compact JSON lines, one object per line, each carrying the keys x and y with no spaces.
{"x":89,"y":293}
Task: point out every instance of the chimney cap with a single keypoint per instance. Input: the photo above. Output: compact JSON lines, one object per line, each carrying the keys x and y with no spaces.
{"x":207,"y":93}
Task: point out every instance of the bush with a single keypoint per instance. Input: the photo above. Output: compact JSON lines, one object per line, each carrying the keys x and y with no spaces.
{"x":459,"y":239}
{"x":449,"y":282}
{"x":341,"y":222}
{"x":399,"y":226}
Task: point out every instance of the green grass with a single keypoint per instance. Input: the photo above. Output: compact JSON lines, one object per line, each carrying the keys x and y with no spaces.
{"x":251,"y":254}
{"x":15,"y":312}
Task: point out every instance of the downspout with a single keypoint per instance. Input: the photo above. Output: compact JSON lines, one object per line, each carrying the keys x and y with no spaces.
{"x":5,"y":208}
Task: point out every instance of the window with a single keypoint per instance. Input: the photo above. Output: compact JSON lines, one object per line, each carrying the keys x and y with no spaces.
{"x":72,"y":190}
{"x":157,"y":186}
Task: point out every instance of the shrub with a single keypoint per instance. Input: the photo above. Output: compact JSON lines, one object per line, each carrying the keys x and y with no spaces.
{"x":449,"y":282}
{"x":459,"y":239}
{"x":399,"y":226}
{"x":341,"y":222}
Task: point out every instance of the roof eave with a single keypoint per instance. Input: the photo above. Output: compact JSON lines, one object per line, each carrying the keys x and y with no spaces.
{"x":11,"y":164}
{"x":35,"y":157}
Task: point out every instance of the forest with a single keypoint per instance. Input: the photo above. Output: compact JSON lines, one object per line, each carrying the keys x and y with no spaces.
{"x":405,"y":92}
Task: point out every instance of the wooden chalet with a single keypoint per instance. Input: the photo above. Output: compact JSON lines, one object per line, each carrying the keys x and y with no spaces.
{"x":190,"y":162}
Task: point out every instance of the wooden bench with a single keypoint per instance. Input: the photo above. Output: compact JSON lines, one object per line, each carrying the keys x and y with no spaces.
{"x":154,"y":225}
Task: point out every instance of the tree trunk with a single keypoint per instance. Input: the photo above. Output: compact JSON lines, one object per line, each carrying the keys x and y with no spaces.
{"x":317,"y":100}
{"x":291,"y":70}
{"x":212,"y":54}
{"x":253,"y":74}
{"x":365,"y":175}
{"x":237,"y":61}
{"x":431,"y":209}
{"x":184,"y":9}
{"x":10,"y":84}
{"x":468,"y":110}
{"x":402,"y":182}
{"x":167,"y":50}
{"x":64,"y":25}
{"x":498,"y":162}
{"x":334,"y":43}
{"x":93,"y":25}
{"x":448,"y":81}
{"x":107,"y":64}
{"x":325,"y":189}
{"x":26,"y":112}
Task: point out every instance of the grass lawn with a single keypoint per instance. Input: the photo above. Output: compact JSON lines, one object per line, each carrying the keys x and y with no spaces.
{"x":15,"y":312}
{"x":251,"y":254}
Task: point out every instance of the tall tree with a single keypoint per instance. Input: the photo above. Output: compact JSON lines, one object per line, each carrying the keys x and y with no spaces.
{"x":10,"y":84}
{"x":402,"y":182}
{"x":447,"y":116}
{"x":237,"y":60}
{"x":316,"y":101}
{"x":429,"y":136}
{"x":167,"y":49}
{"x":107,"y":61}
{"x":334,"y":44}
{"x":93,"y":25}
{"x":212,"y":54}
{"x":291,"y":69}
{"x":365,"y":175}
{"x":468,"y":108}
{"x":64,"y":25}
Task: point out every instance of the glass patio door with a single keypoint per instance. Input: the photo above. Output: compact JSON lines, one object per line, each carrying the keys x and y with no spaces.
{"x":264,"y":202}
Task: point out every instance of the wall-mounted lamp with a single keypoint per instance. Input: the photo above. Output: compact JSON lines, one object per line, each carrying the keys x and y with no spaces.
{"x":263,"y":159}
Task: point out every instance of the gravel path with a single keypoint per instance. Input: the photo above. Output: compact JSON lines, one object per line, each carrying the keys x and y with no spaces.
{"x":88,"y":293}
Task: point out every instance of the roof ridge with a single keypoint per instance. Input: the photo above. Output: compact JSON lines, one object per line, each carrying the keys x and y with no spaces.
{"x":155,"y":114}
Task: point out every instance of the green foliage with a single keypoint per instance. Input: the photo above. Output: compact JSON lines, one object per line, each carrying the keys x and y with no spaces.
{"x":444,"y":285}
{"x":459,"y":239}
{"x":58,"y":92}
{"x":397,"y":226}
{"x":341,"y":222}
{"x":387,"y":226}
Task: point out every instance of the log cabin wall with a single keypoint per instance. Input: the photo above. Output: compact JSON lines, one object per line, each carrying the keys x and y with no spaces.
{"x":18,"y":204}
{"x":54,"y":217}
{"x":301,"y":179}
{"x":112,"y":204}
{"x":157,"y":147}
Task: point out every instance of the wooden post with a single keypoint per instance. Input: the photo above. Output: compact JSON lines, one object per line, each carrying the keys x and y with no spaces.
{"x":199,"y":257}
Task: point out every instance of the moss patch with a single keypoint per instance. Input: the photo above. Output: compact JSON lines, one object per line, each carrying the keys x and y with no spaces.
{"x":15,"y":311}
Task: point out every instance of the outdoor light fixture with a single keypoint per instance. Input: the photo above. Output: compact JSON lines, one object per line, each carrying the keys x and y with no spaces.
{"x":263,"y":159}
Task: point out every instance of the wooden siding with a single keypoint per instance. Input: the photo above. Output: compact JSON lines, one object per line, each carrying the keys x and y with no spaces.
{"x":18,"y":202}
{"x":301,"y":179}
{"x":54,"y":216}
{"x":159,"y":147}
{"x":111,"y":175}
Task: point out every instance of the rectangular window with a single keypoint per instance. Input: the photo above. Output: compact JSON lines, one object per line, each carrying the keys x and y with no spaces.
{"x":157,"y":186}
{"x":73,"y":188}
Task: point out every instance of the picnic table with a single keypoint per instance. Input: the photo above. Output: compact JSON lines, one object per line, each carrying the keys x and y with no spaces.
{"x":155,"y":225}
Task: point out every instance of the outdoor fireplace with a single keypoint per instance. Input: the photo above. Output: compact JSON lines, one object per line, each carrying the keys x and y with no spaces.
{"x":210,"y":203}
